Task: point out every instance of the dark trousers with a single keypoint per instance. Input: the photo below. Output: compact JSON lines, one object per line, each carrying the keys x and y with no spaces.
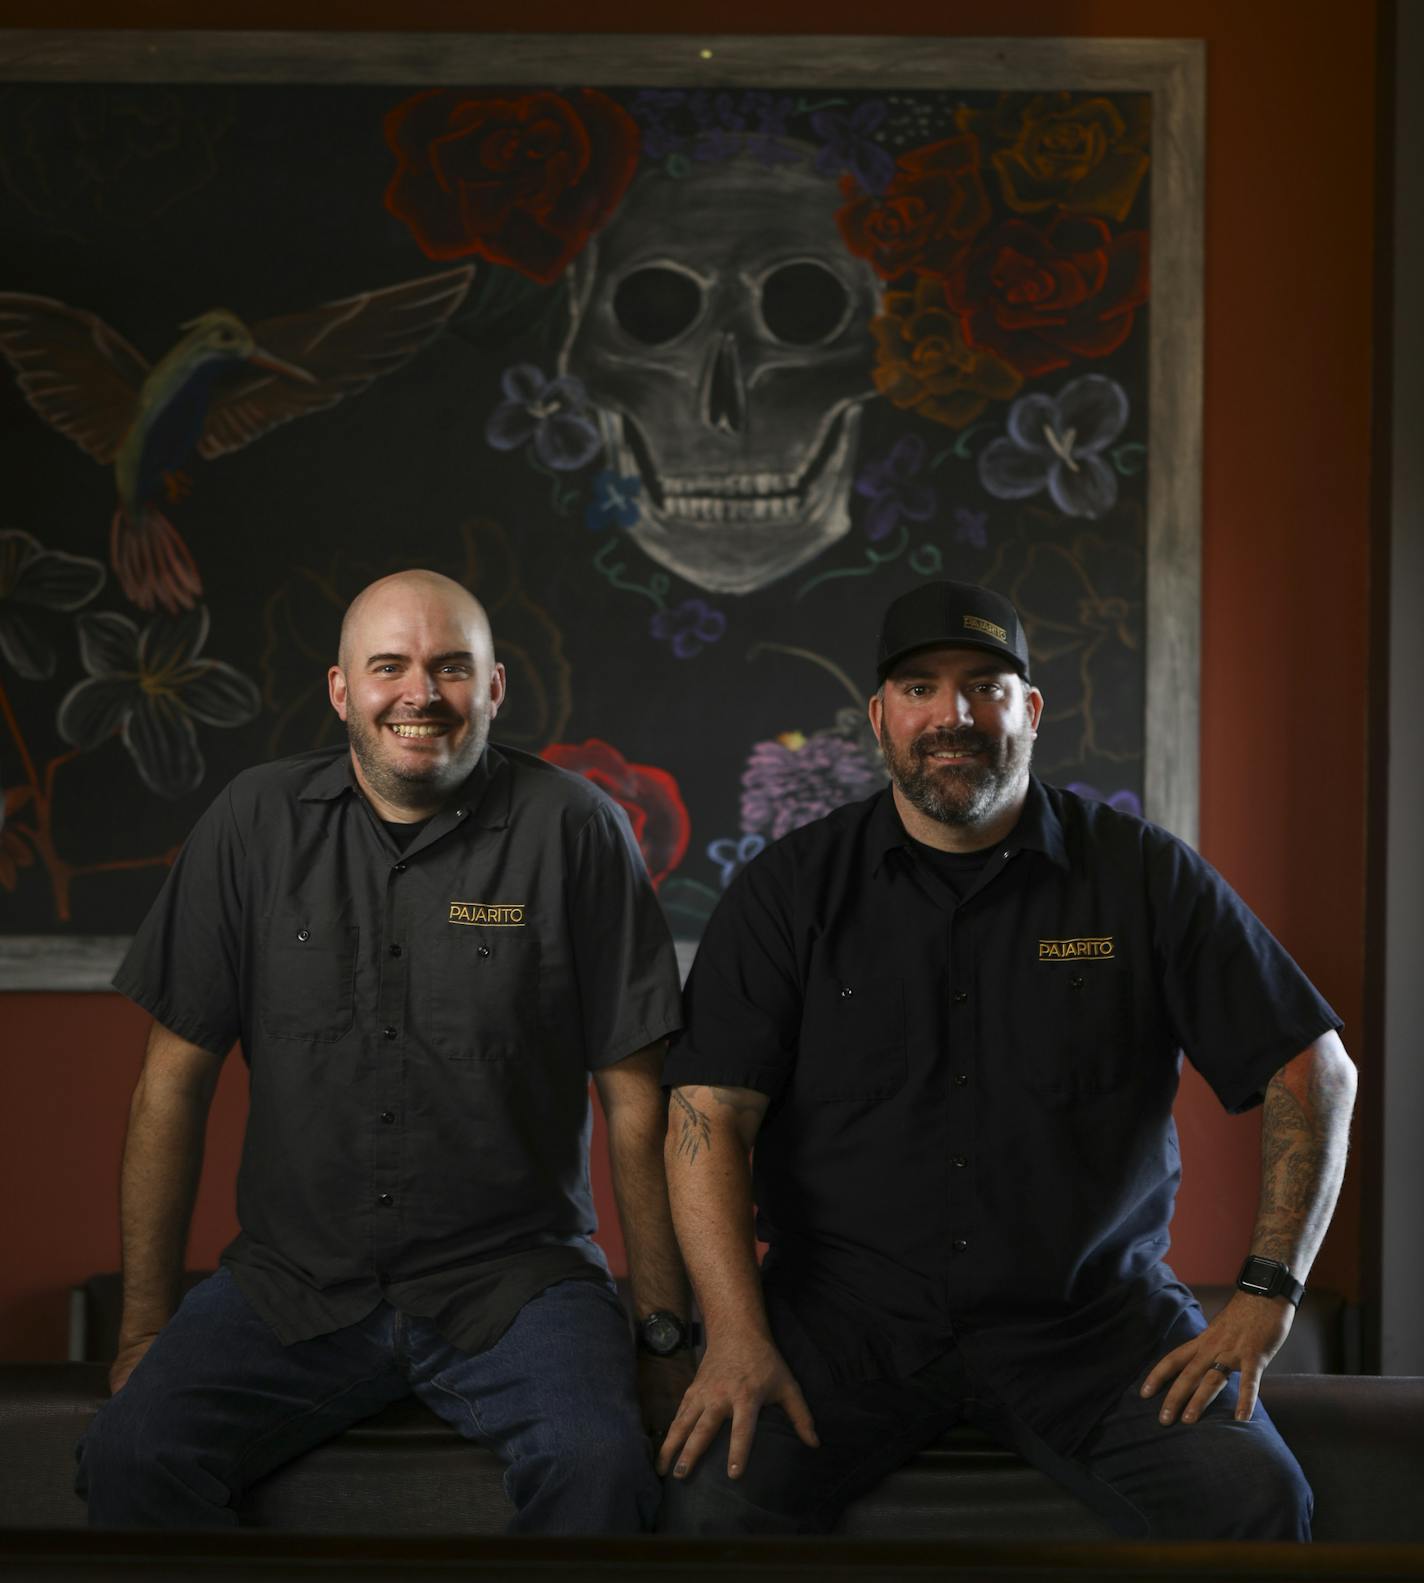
{"x":1215,"y":1479}
{"x":218,"y":1401}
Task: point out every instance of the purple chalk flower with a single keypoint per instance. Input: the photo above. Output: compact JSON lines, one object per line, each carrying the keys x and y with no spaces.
{"x":849,"y":144}
{"x":1057,"y":443}
{"x":1125,"y":801}
{"x":890,"y":484}
{"x":552,"y":413}
{"x":794,"y":779}
{"x":688,"y":627}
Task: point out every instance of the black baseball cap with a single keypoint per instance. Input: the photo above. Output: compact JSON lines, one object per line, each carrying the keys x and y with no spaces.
{"x":937,"y":615}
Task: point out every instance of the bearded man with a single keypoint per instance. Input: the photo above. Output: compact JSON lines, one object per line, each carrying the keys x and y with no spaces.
{"x":951,"y":1019}
{"x":424,"y":945}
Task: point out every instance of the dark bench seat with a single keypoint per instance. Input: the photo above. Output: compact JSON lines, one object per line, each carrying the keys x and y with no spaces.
{"x":1360,"y":1439}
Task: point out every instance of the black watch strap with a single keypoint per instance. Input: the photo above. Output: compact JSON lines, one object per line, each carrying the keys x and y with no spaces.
{"x":1264,"y":1277}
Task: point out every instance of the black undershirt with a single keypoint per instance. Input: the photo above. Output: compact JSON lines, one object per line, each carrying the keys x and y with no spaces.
{"x":404,"y":834}
{"x":957,"y":870}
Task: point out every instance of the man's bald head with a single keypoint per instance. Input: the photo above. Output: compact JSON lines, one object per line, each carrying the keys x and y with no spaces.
{"x":405,"y":588}
{"x":418,"y":687}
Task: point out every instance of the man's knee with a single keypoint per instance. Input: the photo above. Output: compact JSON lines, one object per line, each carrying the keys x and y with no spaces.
{"x":577,"y":1485}
{"x":771,"y":1496}
{"x":1271,"y":1498}
{"x":134,"y":1472}
{"x":1249,"y":1486}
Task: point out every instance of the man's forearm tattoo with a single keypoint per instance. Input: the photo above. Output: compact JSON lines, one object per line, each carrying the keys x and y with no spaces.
{"x":696,"y":1130}
{"x":1302,"y":1160}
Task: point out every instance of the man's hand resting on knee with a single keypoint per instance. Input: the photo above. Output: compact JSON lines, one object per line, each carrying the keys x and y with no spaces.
{"x":734,"y":1382}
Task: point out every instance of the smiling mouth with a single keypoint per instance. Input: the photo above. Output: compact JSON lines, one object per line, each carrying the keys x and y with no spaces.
{"x":412,"y":729}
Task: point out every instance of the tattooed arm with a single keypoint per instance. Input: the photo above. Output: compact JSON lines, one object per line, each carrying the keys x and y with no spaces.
{"x":710,"y":1135}
{"x":1304,"y":1132}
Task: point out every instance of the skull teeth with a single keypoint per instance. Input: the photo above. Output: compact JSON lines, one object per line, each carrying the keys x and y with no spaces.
{"x":718,"y":508}
{"x":731,"y":485}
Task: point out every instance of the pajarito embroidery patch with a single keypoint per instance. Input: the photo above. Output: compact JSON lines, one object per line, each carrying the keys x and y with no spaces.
{"x":979,"y":624}
{"x":488,"y":914}
{"x":1088,"y":946}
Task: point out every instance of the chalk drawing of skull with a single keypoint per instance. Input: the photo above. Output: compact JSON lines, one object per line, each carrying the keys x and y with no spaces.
{"x":721,"y":326}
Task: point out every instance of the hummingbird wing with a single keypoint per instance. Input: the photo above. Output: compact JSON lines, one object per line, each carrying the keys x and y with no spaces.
{"x":76,"y":372}
{"x":343,"y":345}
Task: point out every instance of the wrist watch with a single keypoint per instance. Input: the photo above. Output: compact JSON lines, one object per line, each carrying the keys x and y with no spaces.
{"x":662,"y":1333}
{"x":1269,"y":1278}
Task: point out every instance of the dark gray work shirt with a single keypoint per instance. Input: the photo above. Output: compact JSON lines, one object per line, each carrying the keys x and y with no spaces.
{"x":970,"y":1137}
{"x":420,"y":1026}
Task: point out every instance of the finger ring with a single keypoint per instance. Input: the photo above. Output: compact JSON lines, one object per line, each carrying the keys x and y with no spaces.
{"x":1222,"y":1368}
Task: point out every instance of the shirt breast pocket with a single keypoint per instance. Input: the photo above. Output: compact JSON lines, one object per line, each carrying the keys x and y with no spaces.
{"x":1092,"y":1037}
{"x":308,"y":981}
{"x":486,"y":995}
{"x":852,"y":1043}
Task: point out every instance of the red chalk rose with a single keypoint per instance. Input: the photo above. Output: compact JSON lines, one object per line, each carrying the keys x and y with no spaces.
{"x":648,"y":795}
{"x":935,"y":204}
{"x":1041,"y":298}
{"x":522,"y":181}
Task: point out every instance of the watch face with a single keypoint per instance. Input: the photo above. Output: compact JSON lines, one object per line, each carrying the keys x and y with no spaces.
{"x":662,"y":1333}
{"x":1259,"y":1276}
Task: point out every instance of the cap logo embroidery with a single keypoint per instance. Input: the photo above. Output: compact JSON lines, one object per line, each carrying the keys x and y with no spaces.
{"x":979,"y":624}
{"x":489,"y":914}
{"x":1090,"y":947}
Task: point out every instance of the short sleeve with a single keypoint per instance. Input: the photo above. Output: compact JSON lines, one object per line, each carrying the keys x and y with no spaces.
{"x":742,"y":1009}
{"x":182,"y":966}
{"x":623,"y":954}
{"x":1240,"y":1007}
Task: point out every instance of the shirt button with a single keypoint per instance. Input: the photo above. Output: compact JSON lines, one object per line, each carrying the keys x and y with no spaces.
{"x":959,"y":1162}
{"x":847,"y":992}
{"x":459,"y":813}
{"x":398,"y":868}
{"x":385,"y":1200}
{"x":390,"y":1033}
{"x":959,"y":1244}
{"x":484,"y":950}
{"x":395,"y":950}
{"x":1076,"y":981}
{"x":961,"y":1079}
{"x":388,"y":1116}
{"x":960,"y":996}
{"x":304,"y":934}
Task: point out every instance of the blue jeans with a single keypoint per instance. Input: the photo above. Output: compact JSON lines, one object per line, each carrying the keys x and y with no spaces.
{"x":1214,"y":1479}
{"x":218,"y":1401}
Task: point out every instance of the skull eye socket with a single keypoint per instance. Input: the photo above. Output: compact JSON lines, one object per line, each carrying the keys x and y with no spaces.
{"x":804,"y":304}
{"x":657,"y":303}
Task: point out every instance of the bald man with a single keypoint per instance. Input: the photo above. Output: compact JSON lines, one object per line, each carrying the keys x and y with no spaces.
{"x":424,"y":945}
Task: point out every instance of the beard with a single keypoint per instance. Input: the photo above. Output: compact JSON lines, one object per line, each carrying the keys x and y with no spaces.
{"x":410,"y":785}
{"x":959,"y":794}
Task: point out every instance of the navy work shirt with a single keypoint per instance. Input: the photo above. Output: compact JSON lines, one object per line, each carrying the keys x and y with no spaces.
{"x":970,"y":1137}
{"x":419,"y":1024}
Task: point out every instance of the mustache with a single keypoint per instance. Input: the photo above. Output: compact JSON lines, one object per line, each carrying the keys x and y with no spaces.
{"x":950,"y":742}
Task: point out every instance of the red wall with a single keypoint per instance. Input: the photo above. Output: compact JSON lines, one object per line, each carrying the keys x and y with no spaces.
{"x":1290,"y":165}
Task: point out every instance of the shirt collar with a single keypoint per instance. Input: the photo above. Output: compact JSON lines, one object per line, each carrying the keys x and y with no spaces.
{"x":485,"y":794}
{"x":1038,"y":829}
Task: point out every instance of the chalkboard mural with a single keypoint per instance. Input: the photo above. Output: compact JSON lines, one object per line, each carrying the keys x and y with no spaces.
{"x":684,"y":384}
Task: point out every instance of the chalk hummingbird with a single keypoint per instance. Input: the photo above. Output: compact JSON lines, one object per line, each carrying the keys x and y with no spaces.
{"x":220,"y":386}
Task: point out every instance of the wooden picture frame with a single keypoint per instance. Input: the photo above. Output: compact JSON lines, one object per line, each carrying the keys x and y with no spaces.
{"x":1172,"y":72}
